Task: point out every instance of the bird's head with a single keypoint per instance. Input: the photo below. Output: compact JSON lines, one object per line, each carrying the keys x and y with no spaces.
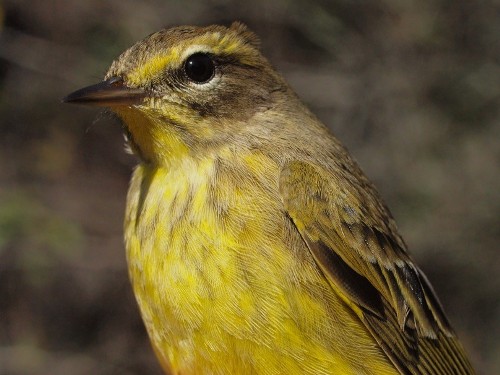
{"x":186,"y":88}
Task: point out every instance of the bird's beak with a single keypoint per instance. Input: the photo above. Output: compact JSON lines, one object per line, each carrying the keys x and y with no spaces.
{"x":109,"y":93}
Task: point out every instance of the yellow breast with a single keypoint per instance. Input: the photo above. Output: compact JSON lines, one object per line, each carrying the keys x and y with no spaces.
{"x":224,"y":282}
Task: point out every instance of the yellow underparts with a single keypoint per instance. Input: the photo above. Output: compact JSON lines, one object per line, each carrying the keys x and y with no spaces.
{"x":225,"y":284}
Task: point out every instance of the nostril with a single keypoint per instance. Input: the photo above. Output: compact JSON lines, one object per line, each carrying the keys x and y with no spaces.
{"x":115,"y":80}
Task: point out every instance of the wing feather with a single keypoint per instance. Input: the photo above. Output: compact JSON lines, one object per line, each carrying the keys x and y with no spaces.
{"x":354,"y":241}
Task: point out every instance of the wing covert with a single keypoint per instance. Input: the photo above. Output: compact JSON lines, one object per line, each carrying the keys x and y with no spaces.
{"x":354,"y":241}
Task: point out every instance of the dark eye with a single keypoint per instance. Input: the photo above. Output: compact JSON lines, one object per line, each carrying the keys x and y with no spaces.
{"x":199,"y":67}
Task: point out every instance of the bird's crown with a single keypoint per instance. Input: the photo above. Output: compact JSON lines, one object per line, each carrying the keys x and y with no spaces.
{"x":166,"y":51}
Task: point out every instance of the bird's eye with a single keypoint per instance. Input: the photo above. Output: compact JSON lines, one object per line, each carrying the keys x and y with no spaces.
{"x":199,"y":67}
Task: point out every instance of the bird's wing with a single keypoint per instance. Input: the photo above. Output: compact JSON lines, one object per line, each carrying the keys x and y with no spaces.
{"x":355,"y":243}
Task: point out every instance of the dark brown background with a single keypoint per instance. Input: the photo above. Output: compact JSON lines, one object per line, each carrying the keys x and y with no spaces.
{"x":412,"y":88}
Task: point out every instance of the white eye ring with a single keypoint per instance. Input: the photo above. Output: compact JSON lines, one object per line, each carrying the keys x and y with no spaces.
{"x":201,"y":49}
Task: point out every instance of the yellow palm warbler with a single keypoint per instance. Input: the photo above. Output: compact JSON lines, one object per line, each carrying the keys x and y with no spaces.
{"x":255,"y":244}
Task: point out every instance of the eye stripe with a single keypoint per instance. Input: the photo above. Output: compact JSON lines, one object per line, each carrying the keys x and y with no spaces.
{"x":147,"y":71}
{"x":175,"y":57}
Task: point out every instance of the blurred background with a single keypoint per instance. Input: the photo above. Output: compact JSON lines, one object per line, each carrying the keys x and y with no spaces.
{"x":411,"y":87}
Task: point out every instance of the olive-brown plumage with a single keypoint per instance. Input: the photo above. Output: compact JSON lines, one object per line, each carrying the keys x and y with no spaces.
{"x":255,"y":243}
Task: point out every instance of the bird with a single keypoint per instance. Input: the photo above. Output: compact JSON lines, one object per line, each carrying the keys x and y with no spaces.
{"x":255,"y":243}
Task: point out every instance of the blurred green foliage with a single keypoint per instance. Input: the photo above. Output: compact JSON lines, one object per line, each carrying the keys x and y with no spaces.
{"x":25,"y":224}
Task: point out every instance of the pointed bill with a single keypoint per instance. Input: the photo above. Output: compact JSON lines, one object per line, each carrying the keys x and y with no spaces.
{"x":111,"y":92}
